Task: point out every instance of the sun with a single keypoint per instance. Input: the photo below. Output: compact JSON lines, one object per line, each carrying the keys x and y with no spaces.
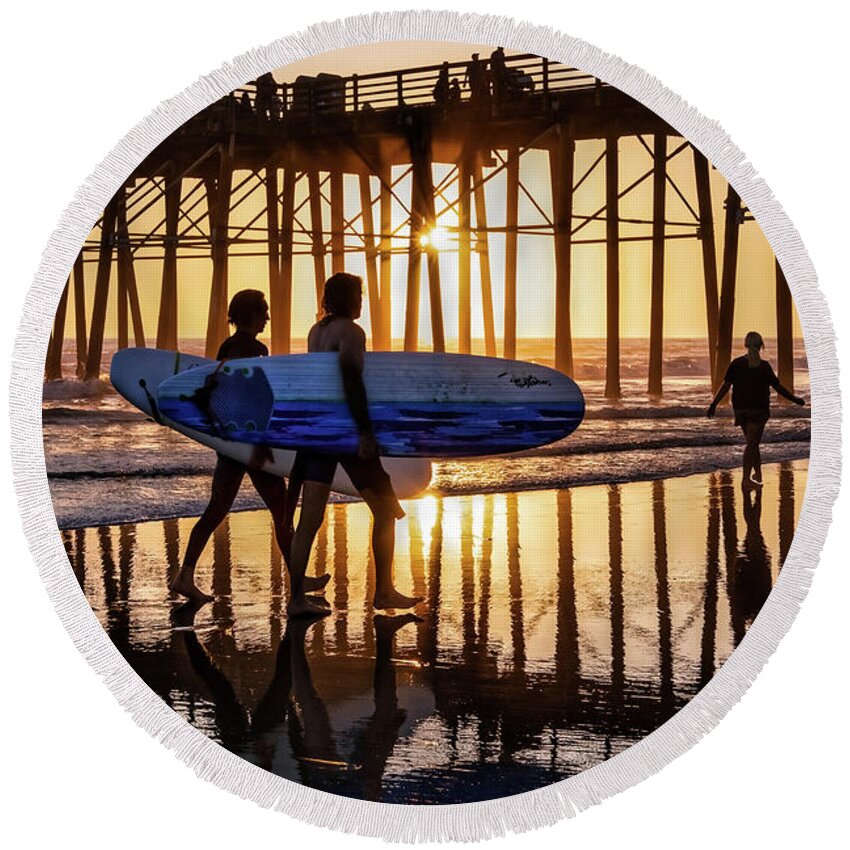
{"x":437,"y":238}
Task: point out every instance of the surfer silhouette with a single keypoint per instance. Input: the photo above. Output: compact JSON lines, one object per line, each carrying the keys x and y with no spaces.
{"x":248,"y":313}
{"x":342,"y":303}
{"x":750,"y":379}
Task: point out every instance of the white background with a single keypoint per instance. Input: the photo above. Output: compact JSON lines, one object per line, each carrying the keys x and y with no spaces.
{"x":77,"y":76}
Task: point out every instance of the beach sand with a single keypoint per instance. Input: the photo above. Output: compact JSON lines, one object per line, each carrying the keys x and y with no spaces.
{"x":560,"y":627}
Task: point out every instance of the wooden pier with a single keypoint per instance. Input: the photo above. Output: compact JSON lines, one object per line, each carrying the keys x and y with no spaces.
{"x":272,"y":140}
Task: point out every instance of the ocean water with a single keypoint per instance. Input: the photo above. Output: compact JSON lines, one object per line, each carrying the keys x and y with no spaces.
{"x":108,"y":463}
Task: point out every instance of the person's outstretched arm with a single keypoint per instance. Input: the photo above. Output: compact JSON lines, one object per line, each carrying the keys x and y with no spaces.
{"x":351,"y":350}
{"x":786,"y":393}
{"x":721,"y":392}
{"x":783,"y":391}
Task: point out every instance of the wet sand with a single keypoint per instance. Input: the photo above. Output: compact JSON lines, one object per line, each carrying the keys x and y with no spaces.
{"x":560,"y":627}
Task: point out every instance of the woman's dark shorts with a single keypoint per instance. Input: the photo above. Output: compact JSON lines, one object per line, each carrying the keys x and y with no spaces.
{"x":751,"y":416}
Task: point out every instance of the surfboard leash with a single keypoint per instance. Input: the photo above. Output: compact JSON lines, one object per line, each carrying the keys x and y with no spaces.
{"x":152,"y":402}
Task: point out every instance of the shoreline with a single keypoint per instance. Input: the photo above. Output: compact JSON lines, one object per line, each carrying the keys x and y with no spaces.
{"x":624,"y":467}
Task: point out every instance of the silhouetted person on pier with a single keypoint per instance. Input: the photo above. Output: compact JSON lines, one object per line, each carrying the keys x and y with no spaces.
{"x":498,"y":72}
{"x":750,"y":379}
{"x":441,"y":90}
{"x":454,"y":91}
{"x":476,"y":79}
{"x":248,"y":313}
{"x":246,"y":108}
{"x":342,"y":303}
{"x":266,"y":102}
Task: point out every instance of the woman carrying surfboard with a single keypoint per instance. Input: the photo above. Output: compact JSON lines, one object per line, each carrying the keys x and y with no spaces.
{"x":750,"y":378}
{"x":248,"y":313}
{"x":342,"y":303}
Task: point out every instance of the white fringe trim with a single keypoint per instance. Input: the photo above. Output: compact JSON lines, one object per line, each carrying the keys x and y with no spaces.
{"x":472,"y":821}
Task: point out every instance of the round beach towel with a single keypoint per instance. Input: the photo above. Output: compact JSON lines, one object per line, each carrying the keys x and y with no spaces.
{"x":560,"y":290}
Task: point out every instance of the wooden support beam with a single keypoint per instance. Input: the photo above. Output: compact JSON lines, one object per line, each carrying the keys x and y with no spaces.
{"x":121,"y":299}
{"x":787,"y":513}
{"x":414,"y":275}
{"x":515,"y":584}
{"x":435,"y":291}
{"x":423,"y":215}
{"x":337,"y":222}
{"x":562,"y":173}
{"x":128,"y":293}
{"x":656,"y":322}
{"x":414,"y":269}
{"x":467,"y":580}
{"x":438,"y":334}
{"x":101,"y":291}
{"x":709,"y":252}
{"x":662,"y":595}
{"x":612,"y":269}
{"x":784,"y":331}
{"x":375,"y":316}
{"x":385,"y":247}
{"x":511,"y":245}
{"x":220,"y":219}
{"x":166,"y":328}
{"x":273,"y":241}
{"x":708,"y":650}
{"x":281,"y":301}
{"x":616,"y":598}
{"x":211,"y":192}
{"x":483,"y":247}
{"x":53,"y":361}
{"x":319,"y":272}
{"x":464,"y":259}
{"x":135,"y":306}
{"x":80,"y":314}
{"x":726,"y":314}
{"x":566,"y":654}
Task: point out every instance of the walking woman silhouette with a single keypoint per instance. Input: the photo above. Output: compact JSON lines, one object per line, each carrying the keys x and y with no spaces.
{"x":750,"y":379}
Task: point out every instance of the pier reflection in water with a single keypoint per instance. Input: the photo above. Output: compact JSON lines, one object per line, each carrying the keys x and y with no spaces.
{"x":560,"y":627}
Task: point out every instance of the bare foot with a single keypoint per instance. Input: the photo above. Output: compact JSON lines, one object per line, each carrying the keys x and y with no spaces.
{"x":315,"y":583}
{"x":307,"y":607}
{"x":188,"y":588}
{"x":386,"y":626}
{"x":183,"y":616}
{"x":318,"y":600}
{"x":394,"y":599}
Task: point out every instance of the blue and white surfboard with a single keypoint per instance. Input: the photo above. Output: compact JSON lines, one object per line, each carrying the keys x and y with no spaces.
{"x":421,"y":404}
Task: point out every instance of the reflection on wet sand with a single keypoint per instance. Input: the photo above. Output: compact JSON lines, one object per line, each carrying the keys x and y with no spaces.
{"x":560,"y":627}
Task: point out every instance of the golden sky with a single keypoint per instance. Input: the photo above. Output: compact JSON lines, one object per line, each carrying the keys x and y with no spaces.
{"x":684,"y":295}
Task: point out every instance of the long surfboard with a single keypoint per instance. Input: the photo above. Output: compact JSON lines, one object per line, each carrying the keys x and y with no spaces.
{"x":136,"y":373}
{"x":420,"y":404}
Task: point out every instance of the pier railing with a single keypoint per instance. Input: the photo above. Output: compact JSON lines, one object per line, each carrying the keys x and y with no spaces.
{"x":522,"y":78}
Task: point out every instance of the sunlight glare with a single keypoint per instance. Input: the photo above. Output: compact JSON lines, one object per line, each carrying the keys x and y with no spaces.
{"x":438,"y":238}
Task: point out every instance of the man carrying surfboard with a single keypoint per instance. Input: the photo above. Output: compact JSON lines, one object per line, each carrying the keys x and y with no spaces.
{"x":342,"y":303}
{"x":248,"y":312}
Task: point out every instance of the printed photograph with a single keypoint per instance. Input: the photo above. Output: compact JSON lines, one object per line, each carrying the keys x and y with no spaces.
{"x":426,"y":422}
